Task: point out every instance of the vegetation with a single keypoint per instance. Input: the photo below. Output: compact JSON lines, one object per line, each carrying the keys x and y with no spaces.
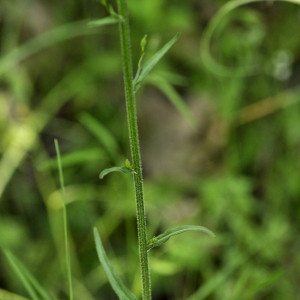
{"x":219,"y":137}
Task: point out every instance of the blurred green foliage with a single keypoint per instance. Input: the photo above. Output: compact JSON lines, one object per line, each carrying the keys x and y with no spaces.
{"x":237,"y":173}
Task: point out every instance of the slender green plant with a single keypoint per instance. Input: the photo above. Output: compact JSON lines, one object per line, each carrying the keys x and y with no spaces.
{"x":62,"y":186}
{"x":131,"y":86}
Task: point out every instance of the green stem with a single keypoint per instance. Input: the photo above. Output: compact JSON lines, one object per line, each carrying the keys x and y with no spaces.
{"x":135,"y":149}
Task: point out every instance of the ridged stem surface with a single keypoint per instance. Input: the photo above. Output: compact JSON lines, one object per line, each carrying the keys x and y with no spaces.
{"x":135,"y":149}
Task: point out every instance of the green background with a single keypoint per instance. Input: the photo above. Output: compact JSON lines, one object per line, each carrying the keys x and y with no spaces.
{"x":233,"y":167}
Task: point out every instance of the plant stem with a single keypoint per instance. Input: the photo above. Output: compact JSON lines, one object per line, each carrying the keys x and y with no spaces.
{"x":135,"y":149}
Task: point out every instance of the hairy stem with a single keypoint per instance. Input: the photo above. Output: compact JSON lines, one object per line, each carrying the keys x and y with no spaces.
{"x":135,"y":149}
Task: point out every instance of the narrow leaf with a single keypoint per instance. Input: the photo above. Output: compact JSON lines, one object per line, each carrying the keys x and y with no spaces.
{"x":165,"y":87}
{"x":106,"y":21}
{"x":115,"y":281}
{"x":67,"y":248}
{"x":161,"y":239}
{"x":103,"y":135}
{"x":29,"y":282}
{"x":127,"y":169}
{"x":252,"y":291}
{"x":28,"y":287}
{"x":152,"y":62}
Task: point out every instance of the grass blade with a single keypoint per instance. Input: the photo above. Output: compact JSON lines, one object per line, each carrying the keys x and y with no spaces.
{"x":29,"y":282}
{"x":102,"y":134}
{"x":148,"y":66}
{"x":42,"y":41}
{"x":161,"y":239}
{"x":115,"y":281}
{"x":61,"y":179}
{"x":27,"y":285}
{"x":74,"y":158}
{"x":263,"y":283}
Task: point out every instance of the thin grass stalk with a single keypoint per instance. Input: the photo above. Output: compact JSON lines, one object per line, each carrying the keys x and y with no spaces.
{"x":62,"y":185}
{"x":135,"y":149}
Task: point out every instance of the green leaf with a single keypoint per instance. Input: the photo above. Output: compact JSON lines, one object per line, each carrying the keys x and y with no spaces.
{"x":143,"y":45}
{"x":145,"y":70}
{"x":115,"y":281}
{"x":161,"y":239}
{"x":106,"y":21}
{"x":74,"y":158}
{"x":127,"y":169}
{"x":252,"y":291}
{"x":166,"y":88}
{"x":128,"y":164}
{"x":103,"y":135}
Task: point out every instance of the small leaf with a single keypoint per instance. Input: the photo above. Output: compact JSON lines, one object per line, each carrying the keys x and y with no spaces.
{"x":127,"y":169}
{"x":145,"y":70}
{"x":106,"y":21}
{"x":161,"y":239}
{"x":143,"y":43}
{"x":115,"y":281}
{"x":128,"y":164}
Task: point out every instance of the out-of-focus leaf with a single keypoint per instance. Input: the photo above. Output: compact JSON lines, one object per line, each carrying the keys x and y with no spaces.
{"x":29,"y":282}
{"x":165,"y":87}
{"x":6,"y":295}
{"x":262,"y":284}
{"x":74,"y":158}
{"x":102,"y":134}
{"x":115,"y":281}
{"x":161,"y":239}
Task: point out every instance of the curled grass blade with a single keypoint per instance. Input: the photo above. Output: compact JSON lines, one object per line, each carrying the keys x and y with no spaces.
{"x":115,"y":281}
{"x":161,"y":239}
{"x":206,"y":56}
{"x":149,"y":65}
